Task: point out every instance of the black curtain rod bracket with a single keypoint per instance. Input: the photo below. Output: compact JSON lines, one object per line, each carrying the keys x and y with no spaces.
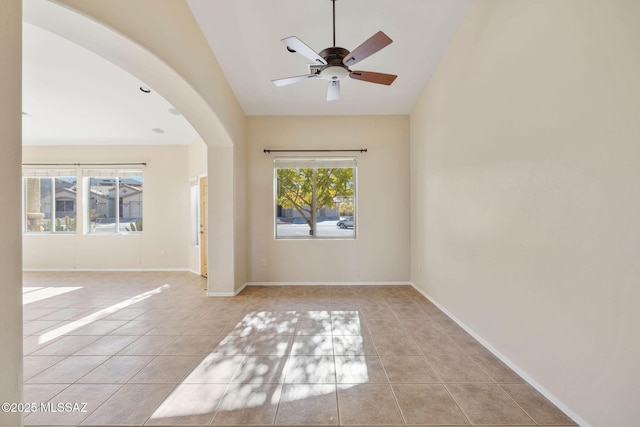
{"x":359,"y":150}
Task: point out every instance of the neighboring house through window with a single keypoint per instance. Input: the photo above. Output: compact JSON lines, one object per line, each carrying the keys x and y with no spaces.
{"x":50,"y":200}
{"x":114,"y":201}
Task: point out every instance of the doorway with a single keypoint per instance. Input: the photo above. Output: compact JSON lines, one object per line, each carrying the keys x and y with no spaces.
{"x":204,"y":229}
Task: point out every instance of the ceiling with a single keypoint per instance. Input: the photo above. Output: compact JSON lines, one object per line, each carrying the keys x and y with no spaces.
{"x":72,"y":96}
{"x":245,"y":38}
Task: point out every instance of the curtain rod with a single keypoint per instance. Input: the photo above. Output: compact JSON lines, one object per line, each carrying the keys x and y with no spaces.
{"x":361,"y":150}
{"x":85,"y":164}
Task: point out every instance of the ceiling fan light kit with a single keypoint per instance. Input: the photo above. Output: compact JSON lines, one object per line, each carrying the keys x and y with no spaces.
{"x":333,"y":63}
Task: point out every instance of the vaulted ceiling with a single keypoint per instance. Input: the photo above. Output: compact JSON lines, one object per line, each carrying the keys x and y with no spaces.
{"x":73,"y":96}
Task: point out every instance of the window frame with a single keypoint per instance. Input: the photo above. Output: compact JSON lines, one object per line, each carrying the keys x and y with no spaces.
{"x":316,"y":163}
{"x":52,"y":175}
{"x":116,"y":175}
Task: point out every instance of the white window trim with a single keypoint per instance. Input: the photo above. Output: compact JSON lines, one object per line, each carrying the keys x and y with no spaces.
{"x":315,"y":162}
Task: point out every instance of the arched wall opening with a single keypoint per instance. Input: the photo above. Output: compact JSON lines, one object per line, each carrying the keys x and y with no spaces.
{"x":188,"y":76}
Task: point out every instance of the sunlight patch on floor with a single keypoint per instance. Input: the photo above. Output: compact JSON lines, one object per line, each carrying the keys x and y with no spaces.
{"x":30,"y":295}
{"x":76,"y":324}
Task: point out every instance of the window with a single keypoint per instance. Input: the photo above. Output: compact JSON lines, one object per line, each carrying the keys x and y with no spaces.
{"x":315,"y":198}
{"x":114,"y":201}
{"x":50,"y":200}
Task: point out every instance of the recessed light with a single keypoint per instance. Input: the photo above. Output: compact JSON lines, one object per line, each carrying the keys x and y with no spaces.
{"x":174,"y":111}
{"x":145,"y":89}
{"x":158,"y":130}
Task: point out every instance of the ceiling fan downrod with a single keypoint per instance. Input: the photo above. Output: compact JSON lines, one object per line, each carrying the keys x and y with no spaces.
{"x":334,"y":22}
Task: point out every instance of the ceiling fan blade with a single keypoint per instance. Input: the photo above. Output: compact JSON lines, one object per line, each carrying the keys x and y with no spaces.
{"x":291,"y":80}
{"x":368,"y":76}
{"x":333,"y":93}
{"x":368,"y":48}
{"x":297,"y":45}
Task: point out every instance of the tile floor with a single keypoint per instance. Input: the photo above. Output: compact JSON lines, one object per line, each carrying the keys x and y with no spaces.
{"x":151,"y":349}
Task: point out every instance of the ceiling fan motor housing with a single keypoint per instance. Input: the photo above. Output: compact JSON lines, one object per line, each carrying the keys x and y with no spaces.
{"x":335,"y":69}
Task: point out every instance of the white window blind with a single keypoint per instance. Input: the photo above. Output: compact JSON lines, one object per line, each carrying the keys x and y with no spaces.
{"x":106,"y":173}
{"x":311,"y":163}
{"x":48,"y":172}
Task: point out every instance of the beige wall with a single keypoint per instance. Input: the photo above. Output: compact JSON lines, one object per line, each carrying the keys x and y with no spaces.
{"x":165,"y":212}
{"x":10,"y":236}
{"x":525,"y":184}
{"x":381,"y":251}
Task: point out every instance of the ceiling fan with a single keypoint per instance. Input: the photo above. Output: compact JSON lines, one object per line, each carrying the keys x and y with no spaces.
{"x":333,"y":62}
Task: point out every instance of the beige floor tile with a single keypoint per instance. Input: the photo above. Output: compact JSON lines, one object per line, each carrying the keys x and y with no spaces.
{"x":497,"y":370}
{"x":248,"y":404}
{"x":132,"y":404}
{"x":427,"y":404}
{"x":261,"y":370}
{"x":66,"y":345}
{"x":435,"y":341}
{"x":230,"y":345}
{"x":277,"y":326}
{"x":360,"y":370}
{"x":308,"y":404}
{"x":457,"y":368}
{"x":488,"y":404}
{"x":354,"y":346}
{"x":33,"y":365}
{"x":368,"y":404}
{"x":536,"y":405}
{"x":106,"y":346}
{"x":116,"y":370}
{"x":38,"y":326}
{"x":100,"y":327}
{"x":271,"y":345}
{"x":126,"y":314}
{"x":408,"y":369}
{"x":148,"y":345}
{"x":310,"y":369}
{"x":66,"y":314}
{"x":348,"y":323}
{"x":68,"y":370}
{"x":468,"y":344}
{"x":135,"y":327}
{"x":171,"y":327}
{"x":35,"y":313}
{"x":206,"y":328}
{"x":214,"y":368}
{"x":78,"y":402}
{"x":33,"y":343}
{"x":382,"y":326}
{"x":188,"y":404}
{"x":40,"y":393}
{"x":395,"y":345}
{"x":312,"y":345}
{"x":311,"y":326}
{"x":165,"y":369}
{"x":186,"y":345}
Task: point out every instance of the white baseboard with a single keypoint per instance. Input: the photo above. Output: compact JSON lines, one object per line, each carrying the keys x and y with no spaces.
{"x":546,"y":393}
{"x":227,"y":294}
{"x":399,"y":283}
